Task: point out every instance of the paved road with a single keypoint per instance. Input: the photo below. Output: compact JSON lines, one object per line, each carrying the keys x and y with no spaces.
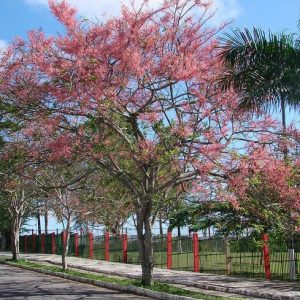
{"x":255,"y":288}
{"x":17,"y":283}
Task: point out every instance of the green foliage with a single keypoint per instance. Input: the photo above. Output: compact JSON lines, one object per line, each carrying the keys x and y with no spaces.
{"x":5,"y":220}
{"x":253,"y":243}
{"x":251,"y":217}
{"x":263,"y":67}
{"x":221,"y":215}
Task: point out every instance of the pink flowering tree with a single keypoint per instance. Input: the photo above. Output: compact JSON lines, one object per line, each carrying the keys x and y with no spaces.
{"x":267,"y":187}
{"x":136,"y":95}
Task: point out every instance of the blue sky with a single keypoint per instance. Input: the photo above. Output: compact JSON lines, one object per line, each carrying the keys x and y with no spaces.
{"x":19,"y":16}
{"x":276,"y":15}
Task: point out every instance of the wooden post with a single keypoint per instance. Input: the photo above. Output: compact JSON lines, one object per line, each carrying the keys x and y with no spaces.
{"x":125,"y":247}
{"x":266,"y":252}
{"x":53,"y":246}
{"x":91,"y":240}
{"x":169,"y":250}
{"x":76,"y":244}
{"x":107,"y":246}
{"x":292,"y":264}
{"x":196,"y":252}
{"x":228,"y":256}
{"x":25,"y":244}
{"x":33,"y":243}
{"x":43,"y":242}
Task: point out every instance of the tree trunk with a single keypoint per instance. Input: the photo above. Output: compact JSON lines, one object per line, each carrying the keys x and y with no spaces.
{"x":65,"y":246}
{"x":283,"y":115}
{"x":64,"y":252}
{"x":39,"y":223}
{"x":46,"y":217}
{"x":15,"y":232}
{"x":3,"y":241}
{"x":161,"y":231}
{"x":179,"y":240}
{"x":144,"y":232}
{"x":283,"y":119}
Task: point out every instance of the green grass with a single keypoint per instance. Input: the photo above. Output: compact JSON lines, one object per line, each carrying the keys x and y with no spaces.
{"x":156,"y":286}
{"x":3,"y":259}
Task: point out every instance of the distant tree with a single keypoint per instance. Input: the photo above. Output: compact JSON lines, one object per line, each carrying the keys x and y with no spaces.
{"x":5,"y":226}
{"x":111,"y":203}
{"x":16,"y":189}
{"x":63,"y":182}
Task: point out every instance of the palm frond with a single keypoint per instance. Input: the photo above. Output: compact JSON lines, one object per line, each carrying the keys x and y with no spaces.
{"x":264,"y":68}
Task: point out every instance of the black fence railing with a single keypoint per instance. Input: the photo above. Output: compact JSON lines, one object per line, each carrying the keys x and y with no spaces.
{"x":243,"y":257}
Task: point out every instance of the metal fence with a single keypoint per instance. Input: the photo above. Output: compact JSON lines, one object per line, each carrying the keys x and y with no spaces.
{"x":243,"y":257}
{"x":285,"y":260}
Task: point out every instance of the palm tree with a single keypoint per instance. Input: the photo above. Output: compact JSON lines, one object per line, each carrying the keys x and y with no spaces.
{"x":264,"y":68}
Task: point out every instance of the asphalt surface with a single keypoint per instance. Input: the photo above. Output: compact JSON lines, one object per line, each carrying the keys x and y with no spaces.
{"x":274,"y":289}
{"x":18,"y":283}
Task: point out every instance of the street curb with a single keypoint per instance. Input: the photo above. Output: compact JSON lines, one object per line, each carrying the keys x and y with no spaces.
{"x":113,"y":286}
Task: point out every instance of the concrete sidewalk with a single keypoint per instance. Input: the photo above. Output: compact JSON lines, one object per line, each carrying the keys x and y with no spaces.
{"x":248,"y":287}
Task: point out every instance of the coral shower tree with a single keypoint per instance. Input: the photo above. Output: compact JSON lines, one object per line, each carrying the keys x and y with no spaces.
{"x":137,"y":95}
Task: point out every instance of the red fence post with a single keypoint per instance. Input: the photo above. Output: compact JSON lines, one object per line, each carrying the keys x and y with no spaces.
{"x":196,"y":252}
{"x":266,"y":252}
{"x":76,"y":244}
{"x":107,"y":246}
{"x":53,"y":248}
{"x":25,"y":244}
{"x":125,"y":247}
{"x":33,"y":243}
{"x":43,"y":241}
{"x":169,"y":250}
{"x":91,"y":239}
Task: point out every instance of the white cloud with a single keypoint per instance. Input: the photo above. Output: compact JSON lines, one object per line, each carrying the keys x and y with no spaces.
{"x":225,"y":9}
{"x":96,"y":8}
{"x":3,"y":44}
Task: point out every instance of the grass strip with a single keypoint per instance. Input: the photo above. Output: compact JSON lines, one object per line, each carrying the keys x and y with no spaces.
{"x":156,"y":286}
